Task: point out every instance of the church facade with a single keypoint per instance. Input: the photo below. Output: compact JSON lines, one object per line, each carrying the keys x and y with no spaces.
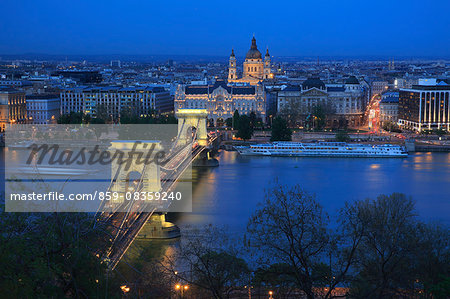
{"x":222,"y":99}
{"x":254,"y":69}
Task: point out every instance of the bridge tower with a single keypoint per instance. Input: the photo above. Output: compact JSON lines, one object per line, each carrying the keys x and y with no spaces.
{"x":124,"y":174}
{"x":136,"y":176}
{"x":189,"y":119}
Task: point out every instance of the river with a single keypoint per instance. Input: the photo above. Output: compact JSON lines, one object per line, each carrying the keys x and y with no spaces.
{"x":227,"y":195}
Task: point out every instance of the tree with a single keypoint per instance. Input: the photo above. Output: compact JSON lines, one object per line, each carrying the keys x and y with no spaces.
{"x":440,"y":132}
{"x":229,"y":122}
{"x":128,"y":116}
{"x":290,"y":230}
{"x":292,"y":112}
{"x":236,"y":118}
{"x":290,"y":227}
{"x":391,"y":127}
{"x":212,"y":262}
{"x":220,"y":271}
{"x":102,"y":113}
{"x":280,"y":131}
{"x":86,"y":119}
{"x":342,"y":136}
{"x":319,"y":117}
{"x":245,"y":131}
{"x":98,"y":127}
{"x":278,"y":277}
{"x":168,"y":119}
{"x":385,"y":264}
{"x":71,"y":118}
{"x":50,"y":255}
{"x":253,"y":119}
{"x":431,"y":259}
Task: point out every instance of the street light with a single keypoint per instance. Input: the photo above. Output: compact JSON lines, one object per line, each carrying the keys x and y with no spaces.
{"x":181,"y":288}
{"x":125,"y":289}
{"x":270,"y":295}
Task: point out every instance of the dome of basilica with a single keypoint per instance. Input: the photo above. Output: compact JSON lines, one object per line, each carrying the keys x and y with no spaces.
{"x":253,"y":53}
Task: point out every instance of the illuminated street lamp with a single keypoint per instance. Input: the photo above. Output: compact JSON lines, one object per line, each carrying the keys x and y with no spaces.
{"x":125,"y":289}
{"x":181,"y":288}
{"x":270,"y":295}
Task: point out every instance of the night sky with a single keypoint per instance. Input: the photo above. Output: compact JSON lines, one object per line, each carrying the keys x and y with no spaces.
{"x":289,"y":28}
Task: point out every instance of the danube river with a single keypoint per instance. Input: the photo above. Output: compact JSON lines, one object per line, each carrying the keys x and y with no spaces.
{"x":227,"y":195}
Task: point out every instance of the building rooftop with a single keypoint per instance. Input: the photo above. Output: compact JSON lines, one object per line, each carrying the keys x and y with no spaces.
{"x":292,"y":88}
{"x":115,"y":89}
{"x":335,"y":88}
{"x":7,"y":89}
{"x":390,"y":99}
{"x":352,"y":80}
{"x":42,"y":96}
{"x":313,"y":82}
{"x":206,"y":89}
{"x":253,"y":53}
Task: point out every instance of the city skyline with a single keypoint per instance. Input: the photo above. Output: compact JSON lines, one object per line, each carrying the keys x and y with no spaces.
{"x":327,"y":28}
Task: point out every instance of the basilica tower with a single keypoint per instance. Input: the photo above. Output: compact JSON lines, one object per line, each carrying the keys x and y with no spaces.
{"x":267,"y":66}
{"x":253,"y":64}
{"x":232,"y":67}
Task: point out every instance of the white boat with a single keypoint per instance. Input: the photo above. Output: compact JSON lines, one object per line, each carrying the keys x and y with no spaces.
{"x":323,"y":149}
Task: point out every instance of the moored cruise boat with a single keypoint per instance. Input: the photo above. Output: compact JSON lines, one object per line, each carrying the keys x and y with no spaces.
{"x":323,"y":149}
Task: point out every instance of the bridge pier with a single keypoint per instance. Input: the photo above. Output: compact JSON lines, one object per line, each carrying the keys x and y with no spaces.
{"x":158,"y":228}
{"x":205,"y":159}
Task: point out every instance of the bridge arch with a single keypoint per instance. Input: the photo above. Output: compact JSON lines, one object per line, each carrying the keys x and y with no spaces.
{"x":125,"y":174}
{"x":192,"y":118}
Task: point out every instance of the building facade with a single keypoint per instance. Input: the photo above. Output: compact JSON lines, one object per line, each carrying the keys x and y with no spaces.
{"x":425,"y":106}
{"x":13,"y":108}
{"x":254,"y":69}
{"x":221,"y":100}
{"x":389,"y":107}
{"x":141,"y":100}
{"x":43,"y":109}
{"x":341,"y":102}
{"x":378,"y":87}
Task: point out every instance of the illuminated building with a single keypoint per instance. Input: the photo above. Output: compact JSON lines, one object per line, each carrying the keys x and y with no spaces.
{"x":389,"y":107}
{"x":378,"y":87}
{"x":255,"y":69}
{"x":425,"y":106}
{"x":43,"y":109}
{"x":13,"y":108}
{"x":140,"y":100}
{"x":221,"y":100}
{"x":341,"y":102}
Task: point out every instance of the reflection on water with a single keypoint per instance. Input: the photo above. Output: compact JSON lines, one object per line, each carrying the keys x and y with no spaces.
{"x":228,"y":195}
{"x":141,"y":253}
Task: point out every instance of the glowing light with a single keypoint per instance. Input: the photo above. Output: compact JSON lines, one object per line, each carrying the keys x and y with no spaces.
{"x":125,"y":289}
